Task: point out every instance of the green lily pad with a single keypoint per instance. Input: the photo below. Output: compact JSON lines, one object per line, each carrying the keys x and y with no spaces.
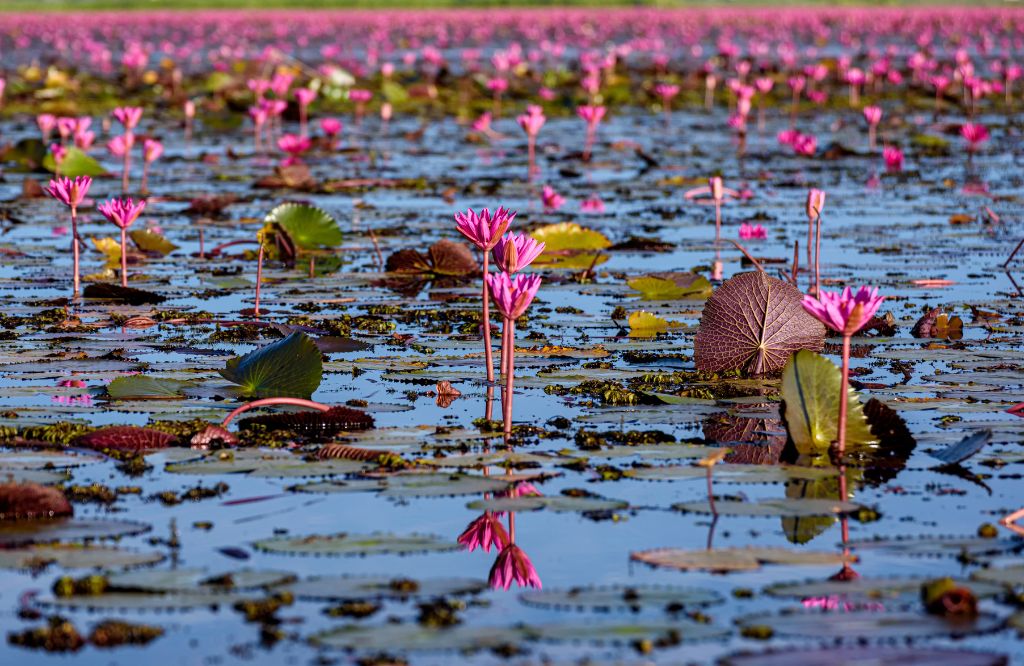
{"x":150,"y":241}
{"x":144,"y":387}
{"x":290,"y":367}
{"x":310,"y":227}
{"x":265,"y":463}
{"x":192,"y":580}
{"x":671,"y":287}
{"x":143,"y":602}
{"x":606,"y":633}
{"x":771,"y":507}
{"x":858,"y":656}
{"x":810,"y":389}
{"x":75,"y":163}
{"x":871,"y":625}
{"x":342,"y":588}
{"x":732,"y":473}
{"x":556,"y":503}
{"x":412,"y":637}
{"x":870,"y":588}
{"x":621,"y":597}
{"x":941,"y":545}
{"x":356,"y":544}
{"x":440,"y":485}
{"x":735,"y":559}
{"x":75,"y":557}
{"x":72,"y":529}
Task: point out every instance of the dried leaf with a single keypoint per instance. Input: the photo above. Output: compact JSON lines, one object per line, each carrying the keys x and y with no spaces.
{"x":31,"y":501}
{"x":126,"y":438}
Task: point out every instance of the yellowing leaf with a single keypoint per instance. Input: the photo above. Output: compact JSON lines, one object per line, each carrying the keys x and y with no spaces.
{"x":643,"y":324}
{"x":570,"y":236}
{"x":150,"y":241}
{"x":110,"y":248}
{"x":810,"y":389}
{"x":670,"y":287}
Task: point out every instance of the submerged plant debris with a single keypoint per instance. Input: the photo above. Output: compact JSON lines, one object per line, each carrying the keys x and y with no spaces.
{"x":267,"y":409}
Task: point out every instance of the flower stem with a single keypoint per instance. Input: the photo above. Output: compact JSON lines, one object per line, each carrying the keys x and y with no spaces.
{"x":124,"y":256}
{"x":266,"y":402}
{"x":509,"y":377}
{"x":259,"y":279}
{"x":488,"y":358}
{"x":74,"y":249}
{"x":817,"y":257}
{"x":844,"y":394}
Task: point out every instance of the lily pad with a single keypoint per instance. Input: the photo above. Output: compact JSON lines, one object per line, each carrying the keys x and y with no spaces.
{"x":871,"y":626}
{"x":556,"y":503}
{"x":671,"y":286}
{"x":144,"y":387}
{"x":356,"y":544}
{"x":75,"y":557}
{"x":858,"y":656}
{"x":810,"y":389}
{"x":48,"y":531}
{"x":342,"y":588}
{"x":412,"y":637}
{"x":771,"y":507}
{"x":735,"y":559}
{"x":75,"y":163}
{"x":753,"y":323}
{"x":310,"y":227}
{"x":621,"y":597}
{"x":289,"y":367}
{"x":870,"y":588}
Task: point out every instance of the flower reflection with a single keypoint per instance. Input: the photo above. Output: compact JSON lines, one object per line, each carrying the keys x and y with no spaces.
{"x":835,"y":602}
{"x":513,"y":565}
{"x":484,"y":532}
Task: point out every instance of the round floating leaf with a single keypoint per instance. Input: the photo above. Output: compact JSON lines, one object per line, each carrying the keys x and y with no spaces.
{"x":671,"y":286}
{"x":412,"y":637}
{"x":872,"y":588}
{"x":621,"y":597}
{"x":441,"y":485}
{"x":753,"y":323}
{"x":46,"y":531}
{"x":563,"y":236}
{"x":347,"y":486}
{"x":126,"y":438}
{"x":733,"y":473}
{"x":556,"y":503}
{"x":1011,"y":576}
{"x":75,"y":163}
{"x":860,"y":656}
{"x":289,"y":367}
{"x":143,"y":387}
{"x":75,"y":557}
{"x":192,"y":580}
{"x":771,"y":507}
{"x":343,"y":588}
{"x":142,"y":601}
{"x":871,"y":625}
{"x":643,"y":324}
{"x":624,"y":633}
{"x":356,"y":544}
{"x":271,"y":463}
{"x":941,"y":545}
{"x":735,"y":559}
{"x":444,"y":258}
{"x":310,"y":227}
{"x":810,"y":389}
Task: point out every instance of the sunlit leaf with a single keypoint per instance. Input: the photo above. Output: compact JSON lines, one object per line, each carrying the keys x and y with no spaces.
{"x":671,"y":286}
{"x":310,"y":227}
{"x":289,"y":367}
{"x":75,"y":163}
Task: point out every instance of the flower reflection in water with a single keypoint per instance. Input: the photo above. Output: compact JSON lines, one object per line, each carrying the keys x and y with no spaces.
{"x":84,"y":400}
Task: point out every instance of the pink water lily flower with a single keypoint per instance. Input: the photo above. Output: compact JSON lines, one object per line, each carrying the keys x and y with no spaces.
{"x":514,"y":252}
{"x":975,"y":134}
{"x":753,"y":232}
{"x":128,"y":116}
{"x":592,"y":204}
{"x":331,"y":127}
{"x":152,"y":150}
{"x":46,"y":122}
{"x":805,"y":145}
{"x":893,"y":157}
{"x":295,"y":146}
{"x":551,"y":200}
{"x":511,"y":566}
{"x":121,"y":144}
{"x":484,"y":532}
{"x":513,"y":295}
{"x":70,"y":192}
{"x":532,"y":120}
{"x":122,"y":212}
{"x":845,"y":312}
{"x":591,"y":114}
{"x":484,"y":229}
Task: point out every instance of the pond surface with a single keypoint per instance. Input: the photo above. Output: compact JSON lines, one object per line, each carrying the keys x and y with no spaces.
{"x":602,"y":427}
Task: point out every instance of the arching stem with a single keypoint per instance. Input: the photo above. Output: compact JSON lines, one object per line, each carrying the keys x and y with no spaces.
{"x":266,"y":402}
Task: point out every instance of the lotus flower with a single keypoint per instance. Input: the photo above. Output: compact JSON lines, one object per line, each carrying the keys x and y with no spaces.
{"x":122,"y":212}
{"x":845,"y":312}
{"x":752,"y":232}
{"x":551,"y":200}
{"x":483,"y":229}
{"x":513,"y":295}
{"x":514,"y":252}
{"x":975,"y":134}
{"x":484,"y":532}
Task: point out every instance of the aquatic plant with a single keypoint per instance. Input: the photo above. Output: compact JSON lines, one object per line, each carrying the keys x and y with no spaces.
{"x":71,"y":193}
{"x":122,"y":212}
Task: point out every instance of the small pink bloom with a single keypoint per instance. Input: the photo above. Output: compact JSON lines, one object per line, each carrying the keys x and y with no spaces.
{"x":666,"y":91}
{"x":592,"y":204}
{"x":787,"y":137}
{"x":764,"y":85}
{"x":511,"y":566}
{"x":873,"y":114}
{"x":70,"y":192}
{"x":752,"y":232}
{"x":360,"y":95}
{"x":546,"y":94}
{"x":483,"y":123}
{"x":532,"y":120}
{"x":128,"y":116}
{"x":483,"y":229}
{"x":331,"y":126}
{"x":305,"y":96}
{"x":122,"y":212}
{"x":59,"y":152}
{"x":893,"y":158}
{"x":975,"y":134}
{"x":805,"y":144}
{"x":46,"y":122}
{"x":152,"y":150}
{"x":497,"y":84}
{"x":513,"y":295}
{"x":65,"y":126}
{"x":592,"y":115}
{"x":815,"y":203}
{"x":551,"y":200}
{"x":121,"y":144}
{"x":844,"y":312}
{"x":514,"y":252}
{"x":295,"y":146}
